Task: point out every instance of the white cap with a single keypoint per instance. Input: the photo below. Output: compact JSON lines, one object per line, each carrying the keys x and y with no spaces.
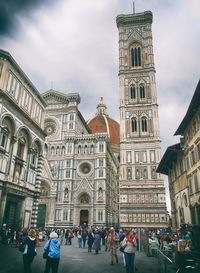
{"x":53,"y":235}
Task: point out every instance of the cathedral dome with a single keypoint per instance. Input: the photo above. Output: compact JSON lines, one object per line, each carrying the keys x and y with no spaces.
{"x":102,"y":123}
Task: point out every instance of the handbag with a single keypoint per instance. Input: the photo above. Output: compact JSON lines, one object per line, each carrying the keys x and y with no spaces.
{"x":46,"y":252}
{"x":122,"y":248}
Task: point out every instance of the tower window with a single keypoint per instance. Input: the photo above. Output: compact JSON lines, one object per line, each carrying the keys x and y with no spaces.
{"x":133,"y":92}
{"x":142,"y":92}
{"x":134,"y":125}
{"x":136,"y":56}
{"x":144,"y":124}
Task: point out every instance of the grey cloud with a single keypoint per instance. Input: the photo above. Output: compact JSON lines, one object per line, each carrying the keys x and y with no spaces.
{"x":10,"y":10}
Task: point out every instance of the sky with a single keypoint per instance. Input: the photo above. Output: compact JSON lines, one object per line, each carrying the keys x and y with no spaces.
{"x":72,"y":46}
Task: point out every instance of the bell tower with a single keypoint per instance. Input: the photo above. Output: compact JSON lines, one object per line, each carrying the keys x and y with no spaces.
{"x":142,"y":192}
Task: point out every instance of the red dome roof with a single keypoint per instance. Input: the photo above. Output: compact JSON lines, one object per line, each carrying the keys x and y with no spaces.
{"x":102,"y":123}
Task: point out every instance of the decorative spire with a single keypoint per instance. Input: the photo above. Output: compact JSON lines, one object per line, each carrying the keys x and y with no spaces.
{"x":101,"y":108}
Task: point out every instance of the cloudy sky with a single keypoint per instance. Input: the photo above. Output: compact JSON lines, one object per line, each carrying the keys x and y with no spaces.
{"x":72,"y":45}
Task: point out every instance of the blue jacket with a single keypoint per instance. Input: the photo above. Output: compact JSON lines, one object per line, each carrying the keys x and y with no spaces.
{"x":54,"y":250}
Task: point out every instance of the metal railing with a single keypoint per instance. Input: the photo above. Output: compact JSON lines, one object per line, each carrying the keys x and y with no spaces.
{"x":166,"y":264}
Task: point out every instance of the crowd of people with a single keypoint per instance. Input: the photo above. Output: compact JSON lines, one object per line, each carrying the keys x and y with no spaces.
{"x":92,"y":238}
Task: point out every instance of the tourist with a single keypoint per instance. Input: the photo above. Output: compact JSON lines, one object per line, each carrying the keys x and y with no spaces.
{"x":97,"y":242}
{"x":28,"y":247}
{"x":113,"y":240}
{"x":53,"y":245}
{"x":129,"y":244}
{"x":90,"y":241}
{"x":79,"y":237}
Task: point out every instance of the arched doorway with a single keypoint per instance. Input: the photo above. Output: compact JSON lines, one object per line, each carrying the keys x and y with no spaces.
{"x":84,"y":217}
{"x":84,"y":209}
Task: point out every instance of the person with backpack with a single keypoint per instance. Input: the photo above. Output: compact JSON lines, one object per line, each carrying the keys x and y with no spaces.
{"x":52,"y":247}
{"x":28,"y":247}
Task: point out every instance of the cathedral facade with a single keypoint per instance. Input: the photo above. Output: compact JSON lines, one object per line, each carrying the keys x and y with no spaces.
{"x":142,"y":192}
{"x":81,"y":165}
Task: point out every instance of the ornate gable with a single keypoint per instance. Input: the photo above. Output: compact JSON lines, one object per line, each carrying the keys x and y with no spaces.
{"x":84,"y":186}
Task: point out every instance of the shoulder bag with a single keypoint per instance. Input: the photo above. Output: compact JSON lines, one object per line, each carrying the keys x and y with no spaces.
{"x":46,"y":252}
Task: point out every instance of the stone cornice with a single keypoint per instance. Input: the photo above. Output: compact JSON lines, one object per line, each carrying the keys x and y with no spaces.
{"x":132,"y":19}
{"x":99,"y":136}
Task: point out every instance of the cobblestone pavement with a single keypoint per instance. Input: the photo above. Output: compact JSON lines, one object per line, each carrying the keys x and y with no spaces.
{"x":74,"y":260}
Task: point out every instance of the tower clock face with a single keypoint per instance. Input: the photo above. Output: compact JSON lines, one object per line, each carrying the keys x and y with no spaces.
{"x":50,"y":127}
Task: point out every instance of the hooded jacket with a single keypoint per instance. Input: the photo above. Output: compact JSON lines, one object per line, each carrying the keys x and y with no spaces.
{"x":54,"y":249}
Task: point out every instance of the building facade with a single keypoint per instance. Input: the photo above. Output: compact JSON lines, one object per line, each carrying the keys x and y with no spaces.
{"x":21,"y":145}
{"x":142,"y":192}
{"x":181,"y":162}
{"x":80,"y":177}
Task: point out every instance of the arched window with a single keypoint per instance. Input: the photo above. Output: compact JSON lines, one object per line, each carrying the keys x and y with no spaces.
{"x":57,"y":150}
{"x":134,"y":125}
{"x":79,"y":149}
{"x":21,"y":146}
{"x":92,"y":149}
{"x":100,"y":193}
{"x":66,"y":194}
{"x":52,"y":150}
{"x":136,"y":56}
{"x":133,"y":92}
{"x":144,"y":124}
{"x":4,"y":137}
{"x":85,"y":149}
{"x":142,"y":92}
{"x":63,"y":150}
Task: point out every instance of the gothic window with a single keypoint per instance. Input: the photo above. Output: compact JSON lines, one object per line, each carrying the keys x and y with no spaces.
{"x":134,"y":125}
{"x":52,"y":150}
{"x":63,"y":150}
{"x":100,"y":215}
{"x":144,"y":124}
{"x":137,"y":173}
{"x":65,"y":215}
{"x":100,"y":172}
{"x":153,"y":172}
{"x":58,"y":215}
{"x":71,"y":117}
{"x":100,"y":193}
{"x":133,"y":92}
{"x":136,"y":56}
{"x":79,"y":149}
{"x":129,"y":173}
{"x":57,"y":150}
{"x":68,"y":173}
{"x":21,"y":146}
{"x":101,"y":147}
{"x":100,"y":162}
{"x":69,"y":148}
{"x":142,"y":92}
{"x":85,"y":149}
{"x":4,"y":137}
{"x":34,"y":156}
{"x":92,"y":149}
{"x":66,"y":194}
{"x":145,"y":173}
{"x":71,"y":125}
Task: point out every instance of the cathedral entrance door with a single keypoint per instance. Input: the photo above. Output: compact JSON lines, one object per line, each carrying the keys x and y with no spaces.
{"x":84,"y":217}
